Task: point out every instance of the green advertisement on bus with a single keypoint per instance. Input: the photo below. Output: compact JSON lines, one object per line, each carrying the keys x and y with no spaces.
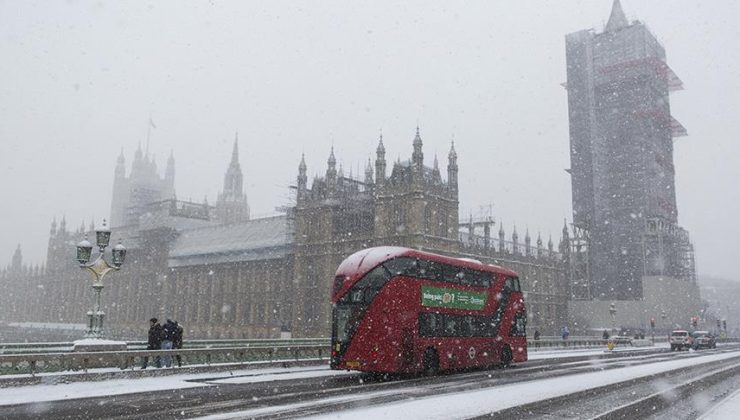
{"x":450,"y":298}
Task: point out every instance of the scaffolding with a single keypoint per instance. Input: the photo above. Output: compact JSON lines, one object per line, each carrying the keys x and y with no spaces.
{"x":580,"y":284}
{"x":667,"y":250}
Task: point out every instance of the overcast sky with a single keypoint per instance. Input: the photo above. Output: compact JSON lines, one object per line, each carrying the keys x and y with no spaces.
{"x":79,"y":81}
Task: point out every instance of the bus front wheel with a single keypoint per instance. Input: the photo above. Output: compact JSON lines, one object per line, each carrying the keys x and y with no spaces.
{"x":431,"y":362}
{"x":506,"y":356}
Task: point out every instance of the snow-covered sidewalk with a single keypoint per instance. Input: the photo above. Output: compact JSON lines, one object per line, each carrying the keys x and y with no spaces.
{"x":57,"y":392}
{"x":727,"y":409}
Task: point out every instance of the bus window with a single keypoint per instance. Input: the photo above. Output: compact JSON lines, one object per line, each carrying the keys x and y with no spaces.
{"x":467,"y":277}
{"x":429,"y":270}
{"x":342,"y":324}
{"x":430,"y":324}
{"x":476,"y":278}
{"x":486,"y":280}
{"x":375,"y":279}
{"x":451,"y":274}
{"x":481,"y":326}
{"x":452,"y":326}
{"x":366,"y":289}
{"x":509,"y":285}
{"x":356,"y":295}
{"x":401,"y":266}
{"x":467,"y":327}
{"x":519,"y":326}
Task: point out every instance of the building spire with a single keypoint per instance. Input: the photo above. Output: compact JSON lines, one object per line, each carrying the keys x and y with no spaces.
{"x":418,"y":156}
{"x":235,"y":152}
{"x":17,"y":261}
{"x":617,"y":19}
{"x":332,"y":161}
{"x":368,"y":172}
{"x":302,"y":178}
{"x":452,"y":168}
{"x":380,"y":162}
{"x":331,"y":172}
{"x":231,"y":203}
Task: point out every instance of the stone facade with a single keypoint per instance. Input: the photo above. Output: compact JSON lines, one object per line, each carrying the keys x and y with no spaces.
{"x":224,"y":277}
{"x":669,"y":301}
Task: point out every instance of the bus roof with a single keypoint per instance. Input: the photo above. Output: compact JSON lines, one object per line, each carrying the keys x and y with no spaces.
{"x":366,"y":259}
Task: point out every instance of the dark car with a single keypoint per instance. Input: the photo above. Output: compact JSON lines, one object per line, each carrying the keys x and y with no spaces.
{"x":704,"y":340}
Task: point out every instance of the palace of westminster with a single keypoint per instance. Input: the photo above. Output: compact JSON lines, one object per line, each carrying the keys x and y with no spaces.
{"x":222,"y":274}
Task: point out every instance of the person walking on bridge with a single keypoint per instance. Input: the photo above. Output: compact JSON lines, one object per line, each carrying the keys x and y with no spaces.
{"x":154,"y":342}
{"x":177,"y":342}
{"x":168,"y":337}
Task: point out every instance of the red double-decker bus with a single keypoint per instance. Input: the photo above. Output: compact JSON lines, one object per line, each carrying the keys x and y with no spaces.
{"x":399,"y":310}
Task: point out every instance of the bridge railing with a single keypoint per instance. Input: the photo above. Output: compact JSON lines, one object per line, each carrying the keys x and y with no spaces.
{"x":63,"y":347}
{"x":33,"y":363}
{"x":34,"y":358}
{"x":551,"y":343}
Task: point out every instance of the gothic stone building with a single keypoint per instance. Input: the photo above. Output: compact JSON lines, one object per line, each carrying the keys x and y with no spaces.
{"x":222,"y":274}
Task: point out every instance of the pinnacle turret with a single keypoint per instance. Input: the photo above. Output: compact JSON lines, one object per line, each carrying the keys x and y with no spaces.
{"x":380,"y":162}
{"x":235,"y":151}
{"x":231,"y":204}
{"x":302,"y":178}
{"x":452,"y":168}
{"x":617,"y":19}
{"x":418,"y":156}
{"x":332,"y":161}
{"x":368,"y":172}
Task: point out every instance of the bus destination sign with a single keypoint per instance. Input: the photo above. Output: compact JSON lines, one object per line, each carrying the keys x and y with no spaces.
{"x":451,"y":298}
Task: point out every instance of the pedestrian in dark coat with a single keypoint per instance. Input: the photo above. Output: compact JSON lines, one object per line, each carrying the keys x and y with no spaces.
{"x":154,"y":342}
{"x":168,"y":336}
{"x":177,"y":342}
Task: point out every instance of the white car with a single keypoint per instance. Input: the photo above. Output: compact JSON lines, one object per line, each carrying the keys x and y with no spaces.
{"x":680,"y":340}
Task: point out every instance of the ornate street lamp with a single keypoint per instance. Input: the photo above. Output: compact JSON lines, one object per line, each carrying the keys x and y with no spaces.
{"x":98,"y":268}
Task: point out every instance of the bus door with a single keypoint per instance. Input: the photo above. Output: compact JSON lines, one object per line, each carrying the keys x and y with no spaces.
{"x":407,"y":349}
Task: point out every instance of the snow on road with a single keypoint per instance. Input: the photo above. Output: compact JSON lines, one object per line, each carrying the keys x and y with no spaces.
{"x":485,"y":401}
{"x":446,"y":406}
{"x":476,"y":403}
{"x":61,"y":391}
